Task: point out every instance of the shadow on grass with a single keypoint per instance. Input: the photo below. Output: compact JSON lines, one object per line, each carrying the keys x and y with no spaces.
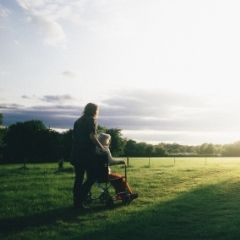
{"x":67,"y":214}
{"x":209,"y":212}
{"x":152,"y":167}
{"x":44,"y":218}
{"x":167,"y":166}
{"x":65,"y":170}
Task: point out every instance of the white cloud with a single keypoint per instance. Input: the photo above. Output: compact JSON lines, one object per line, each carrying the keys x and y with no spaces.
{"x":51,"y":30}
{"x":50,"y":16}
{"x":4,"y":12}
{"x":42,"y":13}
{"x":3,"y":73}
{"x":26,"y":4}
{"x":188,"y":46}
{"x":150,"y":116}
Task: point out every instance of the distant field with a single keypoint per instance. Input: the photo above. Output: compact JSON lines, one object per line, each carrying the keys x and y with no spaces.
{"x":189,"y":198}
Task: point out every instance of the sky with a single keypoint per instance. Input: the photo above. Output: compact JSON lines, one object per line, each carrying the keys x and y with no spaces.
{"x":160,"y":70}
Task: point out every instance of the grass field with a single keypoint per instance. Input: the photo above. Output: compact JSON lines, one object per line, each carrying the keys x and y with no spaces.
{"x":195,"y":198}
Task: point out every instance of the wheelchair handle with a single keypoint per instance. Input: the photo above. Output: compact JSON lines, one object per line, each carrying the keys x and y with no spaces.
{"x":125,"y":171}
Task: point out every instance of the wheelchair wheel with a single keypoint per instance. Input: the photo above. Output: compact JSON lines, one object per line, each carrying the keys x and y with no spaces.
{"x":106,"y":199}
{"x":88,"y":199}
{"x":103,"y":197}
{"x":109,"y":202}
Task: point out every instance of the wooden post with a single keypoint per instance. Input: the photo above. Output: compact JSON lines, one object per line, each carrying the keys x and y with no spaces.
{"x":25,"y":163}
{"x":60,"y":164}
{"x":128,"y":161}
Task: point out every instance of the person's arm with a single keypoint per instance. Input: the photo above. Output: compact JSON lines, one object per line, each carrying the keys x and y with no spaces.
{"x":112,"y":161}
{"x":92,"y":125}
{"x":94,"y":139}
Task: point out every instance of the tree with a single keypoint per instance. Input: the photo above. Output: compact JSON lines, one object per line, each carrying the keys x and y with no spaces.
{"x":206,"y":149}
{"x":66,"y":144}
{"x":2,"y":143}
{"x":1,"y":119}
{"x":22,"y":140}
{"x":130,"y":148}
{"x":159,"y":151}
{"x":117,"y":141}
{"x":48,"y":146}
{"x":149,"y":150}
{"x":141,"y":149}
{"x":232,"y":150}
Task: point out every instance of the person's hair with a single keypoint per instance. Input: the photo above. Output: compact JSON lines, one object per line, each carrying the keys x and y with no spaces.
{"x":102,"y":137}
{"x":90,"y":110}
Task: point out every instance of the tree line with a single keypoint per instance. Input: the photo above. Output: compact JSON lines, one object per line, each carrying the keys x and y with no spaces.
{"x":32,"y":141}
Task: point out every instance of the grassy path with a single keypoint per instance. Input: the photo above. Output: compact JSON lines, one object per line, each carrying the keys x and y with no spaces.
{"x":191,"y":200}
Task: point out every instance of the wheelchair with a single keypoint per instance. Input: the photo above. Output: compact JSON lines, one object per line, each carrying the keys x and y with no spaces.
{"x":103,"y":191}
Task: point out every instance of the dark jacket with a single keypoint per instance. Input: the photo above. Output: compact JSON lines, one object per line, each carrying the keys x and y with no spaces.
{"x":83,"y":149}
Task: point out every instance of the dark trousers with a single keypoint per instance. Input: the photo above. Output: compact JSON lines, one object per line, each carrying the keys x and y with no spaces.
{"x":80,"y":188}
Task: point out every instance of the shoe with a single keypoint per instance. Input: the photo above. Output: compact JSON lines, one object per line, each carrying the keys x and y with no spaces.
{"x":133,"y":196}
{"x":126,"y":199}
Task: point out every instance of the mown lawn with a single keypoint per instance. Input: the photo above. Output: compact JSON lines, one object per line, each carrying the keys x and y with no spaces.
{"x":195,"y":198}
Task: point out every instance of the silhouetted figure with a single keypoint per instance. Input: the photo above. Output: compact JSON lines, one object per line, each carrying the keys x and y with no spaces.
{"x":84,"y":153}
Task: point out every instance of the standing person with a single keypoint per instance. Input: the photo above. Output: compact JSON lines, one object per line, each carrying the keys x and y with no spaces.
{"x":84,"y":154}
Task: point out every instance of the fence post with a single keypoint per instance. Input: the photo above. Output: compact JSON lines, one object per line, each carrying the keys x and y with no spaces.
{"x":128,"y":161}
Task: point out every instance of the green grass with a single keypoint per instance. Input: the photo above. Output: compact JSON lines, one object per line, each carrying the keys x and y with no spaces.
{"x":197,"y":198}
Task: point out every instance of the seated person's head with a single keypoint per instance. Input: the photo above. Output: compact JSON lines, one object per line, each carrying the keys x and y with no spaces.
{"x":104,"y":139}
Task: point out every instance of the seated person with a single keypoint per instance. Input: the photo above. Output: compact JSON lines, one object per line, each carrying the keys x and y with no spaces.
{"x":117,"y":181}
